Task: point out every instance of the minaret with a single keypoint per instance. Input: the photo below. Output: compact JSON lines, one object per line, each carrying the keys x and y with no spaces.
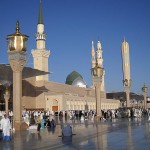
{"x":99,"y":54}
{"x":93,"y":55}
{"x":126,"y":70}
{"x":98,"y":80}
{"x":41,"y":54}
{"x":99,"y":60}
{"x":125,"y":60}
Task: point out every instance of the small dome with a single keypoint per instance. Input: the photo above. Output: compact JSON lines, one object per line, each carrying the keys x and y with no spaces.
{"x":79,"y":82}
{"x":74,"y":78}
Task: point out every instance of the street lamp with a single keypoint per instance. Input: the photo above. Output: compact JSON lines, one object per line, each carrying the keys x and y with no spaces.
{"x":17,"y":41}
{"x":17,"y":60}
{"x":6,"y":84}
{"x":6,"y":96}
{"x":145,"y":90}
{"x":97,"y":74}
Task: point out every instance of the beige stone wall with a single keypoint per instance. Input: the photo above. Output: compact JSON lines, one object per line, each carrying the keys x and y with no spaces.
{"x":28,"y":102}
{"x":66,"y":97}
{"x":54,"y":87}
{"x":40,"y":100}
{"x":53,"y":100}
{"x":28,"y":93}
{"x":148,"y":105}
{"x":110,"y":104}
{"x":74,"y":102}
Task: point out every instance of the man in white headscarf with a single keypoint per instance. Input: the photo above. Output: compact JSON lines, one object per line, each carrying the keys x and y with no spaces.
{"x":5,"y":126}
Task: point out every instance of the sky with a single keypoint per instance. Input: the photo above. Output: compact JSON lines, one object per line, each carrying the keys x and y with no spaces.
{"x":71,"y":25}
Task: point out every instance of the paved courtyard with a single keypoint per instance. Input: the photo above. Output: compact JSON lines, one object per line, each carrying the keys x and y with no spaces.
{"x":122,"y":134}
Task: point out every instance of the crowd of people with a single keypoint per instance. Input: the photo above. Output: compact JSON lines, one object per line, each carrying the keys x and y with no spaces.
{"x":38,"y":119}
{"x":41,"y":119}
{"x":107,"y":114}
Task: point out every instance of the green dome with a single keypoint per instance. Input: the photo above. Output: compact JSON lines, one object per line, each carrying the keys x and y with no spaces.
{"x":72,"y":76}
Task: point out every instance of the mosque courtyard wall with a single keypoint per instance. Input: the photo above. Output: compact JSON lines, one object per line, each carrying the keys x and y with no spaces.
{"x":55,"y":96}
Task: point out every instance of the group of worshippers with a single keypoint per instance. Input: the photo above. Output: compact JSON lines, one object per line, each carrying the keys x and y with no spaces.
{"x":42,"y":123}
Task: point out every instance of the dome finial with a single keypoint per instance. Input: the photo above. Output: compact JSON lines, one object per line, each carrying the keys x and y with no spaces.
{"x":17,"y":27}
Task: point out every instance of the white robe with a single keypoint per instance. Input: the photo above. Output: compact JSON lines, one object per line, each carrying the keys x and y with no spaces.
{"x":5,"y":126}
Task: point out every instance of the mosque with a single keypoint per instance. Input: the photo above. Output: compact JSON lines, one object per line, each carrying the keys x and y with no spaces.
{"x":73,"y":95}
{"x":38,"y":93}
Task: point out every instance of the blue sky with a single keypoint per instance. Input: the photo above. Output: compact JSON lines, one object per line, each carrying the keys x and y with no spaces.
{"x":71,"y":25}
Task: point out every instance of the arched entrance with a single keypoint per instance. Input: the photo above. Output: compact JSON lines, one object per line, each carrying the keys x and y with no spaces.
{"x":55,"y":105}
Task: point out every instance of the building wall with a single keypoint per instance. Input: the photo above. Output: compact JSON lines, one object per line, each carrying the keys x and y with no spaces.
{"x":110,"y":104}
{"x":148,"y":105}
{"x":28,"y":93}
{"x":40,"y":100}
{"x":51,"y":95}
{"x":53,"y":101}
{"x":68,"y":97}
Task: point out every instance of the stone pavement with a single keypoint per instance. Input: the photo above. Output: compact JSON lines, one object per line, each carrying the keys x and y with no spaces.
{"x":122,"y":134}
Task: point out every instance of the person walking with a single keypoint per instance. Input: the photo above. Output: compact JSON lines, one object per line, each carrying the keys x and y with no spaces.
{"x":5,"y":126}
{"x":38,"y":122}
{"x":53,"y":123}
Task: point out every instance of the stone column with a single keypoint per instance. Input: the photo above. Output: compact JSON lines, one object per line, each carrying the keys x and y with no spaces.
{"x":127,"y":90}
{"x":145,"y":100}
{"x":17,"y":61}
{"x":97,"y":84}
{"x":127,"y":85}
{"x":145,"y":90}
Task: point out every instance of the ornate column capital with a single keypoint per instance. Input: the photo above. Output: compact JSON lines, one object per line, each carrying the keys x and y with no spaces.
{"x":17,"y":65}
{"x":17,"y":60}
{"x":97,"y":81}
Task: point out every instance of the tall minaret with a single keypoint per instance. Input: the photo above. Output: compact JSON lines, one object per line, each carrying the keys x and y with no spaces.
{"x":126,"y":70}
{"x":99,"y":60}
{"x":99,"y":54}
{"x":93,"y":55}
{"x":125,"y":60}
{"x":41,"y":54}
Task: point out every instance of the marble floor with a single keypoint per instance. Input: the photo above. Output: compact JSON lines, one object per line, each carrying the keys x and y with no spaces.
{"x":121,"y":134}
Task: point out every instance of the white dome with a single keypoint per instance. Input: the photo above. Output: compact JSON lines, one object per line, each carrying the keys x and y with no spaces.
{"x":79,"y":82}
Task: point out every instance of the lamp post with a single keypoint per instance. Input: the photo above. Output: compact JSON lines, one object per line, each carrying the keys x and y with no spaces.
{"x":6,"y":96}
{"x":145,"y":90}
{"x":97,"y":74}
{"x":6,"y":84}
{"x":17,"y":60}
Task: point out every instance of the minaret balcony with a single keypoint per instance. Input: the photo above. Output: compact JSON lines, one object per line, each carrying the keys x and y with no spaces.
{"x":40,"y":36}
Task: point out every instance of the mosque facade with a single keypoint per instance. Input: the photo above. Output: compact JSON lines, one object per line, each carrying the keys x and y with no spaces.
{"x":40,"y":93}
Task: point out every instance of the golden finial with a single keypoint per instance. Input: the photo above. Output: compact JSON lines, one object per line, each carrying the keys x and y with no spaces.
{"x":17,"y":27}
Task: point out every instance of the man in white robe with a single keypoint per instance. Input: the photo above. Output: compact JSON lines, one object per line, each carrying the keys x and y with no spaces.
{"x":5,"y":126}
